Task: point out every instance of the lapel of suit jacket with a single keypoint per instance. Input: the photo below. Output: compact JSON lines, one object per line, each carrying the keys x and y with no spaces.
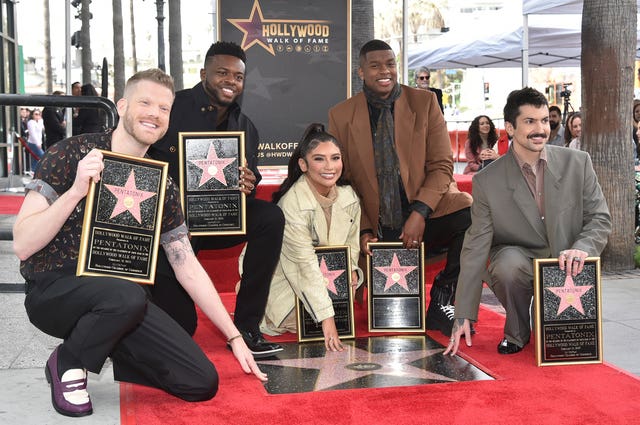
{"x":522,"y":196}
{"x":307,"y":202}
{"x":340,"y":219}
{"x":404,"y":120}
{"x":362,"y":139}
{"x":552,"y":191}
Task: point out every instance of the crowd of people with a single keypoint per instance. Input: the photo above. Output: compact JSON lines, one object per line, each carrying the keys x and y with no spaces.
{"x":388,"y":180}
{"x":42,"y":128}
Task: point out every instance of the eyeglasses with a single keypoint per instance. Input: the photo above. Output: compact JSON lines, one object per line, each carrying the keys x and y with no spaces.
{"x":424,"y":77}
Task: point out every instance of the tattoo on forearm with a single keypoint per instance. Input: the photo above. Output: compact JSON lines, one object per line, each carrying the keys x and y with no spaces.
{"x":457,"y":325}
{"x":178,"y":251}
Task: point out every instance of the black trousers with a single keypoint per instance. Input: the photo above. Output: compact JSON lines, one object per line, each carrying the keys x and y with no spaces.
{"x":265,"y":227}
{"x":100,"y":317}
{"x":446,"y":231}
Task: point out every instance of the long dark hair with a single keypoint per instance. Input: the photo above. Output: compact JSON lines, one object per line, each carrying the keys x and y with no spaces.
{"x":474,"y":134}
{"x":312,"y":137}
{"x":568,"y":136}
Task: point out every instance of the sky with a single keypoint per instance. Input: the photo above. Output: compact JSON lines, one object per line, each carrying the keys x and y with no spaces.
{"x":197,"y":25}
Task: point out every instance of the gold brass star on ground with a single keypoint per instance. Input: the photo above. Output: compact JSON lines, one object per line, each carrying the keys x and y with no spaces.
{"x":338,"y":367}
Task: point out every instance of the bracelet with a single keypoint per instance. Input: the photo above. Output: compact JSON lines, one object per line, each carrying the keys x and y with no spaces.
{"x":233,"y":337}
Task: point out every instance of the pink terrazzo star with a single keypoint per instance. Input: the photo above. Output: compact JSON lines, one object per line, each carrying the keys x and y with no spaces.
{"x":212,"y":167}
{"x":570,"y":295}
{"x":396,"y":274}
{"x":329,"y":276}
{"x":129,"y":198}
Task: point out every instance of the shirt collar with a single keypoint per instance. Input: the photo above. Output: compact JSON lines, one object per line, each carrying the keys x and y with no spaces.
{"x":521,"y":163}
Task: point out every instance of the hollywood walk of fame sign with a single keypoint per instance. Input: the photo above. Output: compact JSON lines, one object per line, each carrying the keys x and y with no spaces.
{"x":568,"y":319}
{"x":396,"y":298}
{"x":210,"y":182}
{"x":122,"y":220}
{"x":335,"y":266}
{"x":289,"y":44}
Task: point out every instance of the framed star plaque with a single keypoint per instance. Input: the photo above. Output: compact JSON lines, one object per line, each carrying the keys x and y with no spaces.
{"x":335,"y":266}
{"x":122,"y":219}
{"x":568,"y":314}
{"x":210,"y":182}
{"x":395,"y":288}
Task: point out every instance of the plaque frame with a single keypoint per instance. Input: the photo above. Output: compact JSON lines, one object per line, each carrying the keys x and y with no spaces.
{"x":413,"y":298}
{"x":567,"y":323}
{"x":192,"y":146}
{"x":101,"y":233}
{"x":307,"y":329}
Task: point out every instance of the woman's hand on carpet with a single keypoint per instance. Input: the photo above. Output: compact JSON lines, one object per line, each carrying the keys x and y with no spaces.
{"x":460,"y":327}
{"x":331,"y":340}
{"x":246,"y":360}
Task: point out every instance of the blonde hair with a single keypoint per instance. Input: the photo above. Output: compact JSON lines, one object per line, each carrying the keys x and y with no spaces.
{"x":154,"y":75}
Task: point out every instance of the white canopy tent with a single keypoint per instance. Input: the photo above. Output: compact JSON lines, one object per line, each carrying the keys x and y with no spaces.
{"x":550,"y":44}
{"x":551,"y":7}
{"x":541,"y":41}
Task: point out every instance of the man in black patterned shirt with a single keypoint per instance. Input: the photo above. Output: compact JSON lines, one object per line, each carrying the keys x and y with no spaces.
{"x":97,"y":316}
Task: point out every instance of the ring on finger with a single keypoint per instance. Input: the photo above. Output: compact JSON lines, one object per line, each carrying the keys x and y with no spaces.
{"x":578,"y":259}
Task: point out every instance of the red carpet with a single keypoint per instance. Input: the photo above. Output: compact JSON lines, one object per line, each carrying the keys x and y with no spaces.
{"x":522,"y":393}
{"x":10,"y":204}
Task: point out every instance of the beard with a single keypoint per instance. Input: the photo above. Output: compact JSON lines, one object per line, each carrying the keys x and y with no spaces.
{"x":215,"y":96}
{"x":553,"y":125}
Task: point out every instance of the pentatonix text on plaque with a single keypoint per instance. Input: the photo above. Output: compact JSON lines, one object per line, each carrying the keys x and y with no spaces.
{"x":210,"y":182}
{"x":396,"y":288}
{"x":567,"y":313}
{"x":335,"y":266}
{"x":123,"y":213}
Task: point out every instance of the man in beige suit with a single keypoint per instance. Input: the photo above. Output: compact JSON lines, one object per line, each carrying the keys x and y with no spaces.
{"x":397,"y":157}
{"x":536,"y":201}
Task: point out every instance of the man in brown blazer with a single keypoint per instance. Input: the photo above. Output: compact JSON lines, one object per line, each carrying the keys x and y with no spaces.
{"x":397,"y":157}
{"x":536,"y":201}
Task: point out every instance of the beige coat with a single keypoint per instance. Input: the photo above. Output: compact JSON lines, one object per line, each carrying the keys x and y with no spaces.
{"x":298,"y":272}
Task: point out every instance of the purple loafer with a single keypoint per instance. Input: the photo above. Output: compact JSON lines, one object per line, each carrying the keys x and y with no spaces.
{"x":69,"y":397}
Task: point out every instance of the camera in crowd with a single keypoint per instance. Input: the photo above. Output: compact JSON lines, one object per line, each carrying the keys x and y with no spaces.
{"x":566,"y":93}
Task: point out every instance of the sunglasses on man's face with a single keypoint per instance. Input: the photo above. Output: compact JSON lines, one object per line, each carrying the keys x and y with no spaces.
{"x":423,"y":77}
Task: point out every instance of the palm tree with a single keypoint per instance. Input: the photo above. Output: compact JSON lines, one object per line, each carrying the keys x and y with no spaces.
{"x":85,"y":37}
{"x":175,"y":44}
{"x":118,"y":51}
{"x":134,"y":54}
{"x":361,"y":32}
{"x":424,"y":15}
{"x":47,"y":49}
{"x":608,"y":46}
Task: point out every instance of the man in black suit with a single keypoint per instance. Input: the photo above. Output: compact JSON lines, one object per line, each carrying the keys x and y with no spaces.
{"x":423,"y":77}
{"x":55,"y":126}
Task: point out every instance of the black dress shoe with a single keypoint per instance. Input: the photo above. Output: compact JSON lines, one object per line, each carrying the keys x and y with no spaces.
{"x":259,"y":346}
{"x":506,"y":347}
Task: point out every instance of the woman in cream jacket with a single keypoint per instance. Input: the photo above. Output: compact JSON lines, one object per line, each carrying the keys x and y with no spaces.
{"x":319,"y":211}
